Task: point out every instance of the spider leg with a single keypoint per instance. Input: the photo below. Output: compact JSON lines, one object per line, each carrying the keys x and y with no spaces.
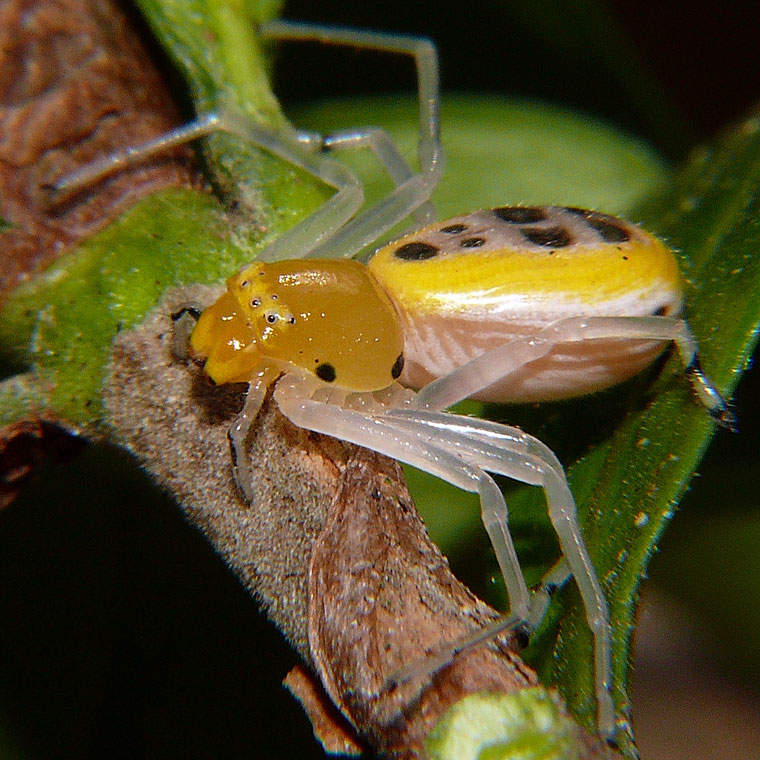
{"x":555,"y":578}
{"x":509,"y":451}
{"x":89,"y":174}
{"x":299,"y":239}
{"x":511,"y":356}
{"x":388,"y":155}
{"x":447,"y":652}
{"x":459,"y":450}
{"x":413,"y":190}
{"x":327,"y":232}
{"x":381,"y":433}
{"x":241,"y":468}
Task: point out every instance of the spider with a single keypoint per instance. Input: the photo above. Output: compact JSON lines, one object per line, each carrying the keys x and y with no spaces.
{"x":506,"y":304}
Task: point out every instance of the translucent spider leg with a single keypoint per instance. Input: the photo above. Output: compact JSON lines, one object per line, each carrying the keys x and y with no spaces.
{"x":415,"y":191}
{"x":298,"y":240}
{"x":509,"y":451}
{"x":500,"y":362}
{"x":446,"y":653}
{"x":386,"y":152}
{"x":257,"y":390}
{"x":379,"y":433}
{"x":459,"y":450}
{"x":85,"y":176}
{"x":554,"y":579}
{"x":325,"y":232}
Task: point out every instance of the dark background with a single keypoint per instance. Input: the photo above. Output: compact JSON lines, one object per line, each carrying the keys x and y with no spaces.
{"x":704,"y":60}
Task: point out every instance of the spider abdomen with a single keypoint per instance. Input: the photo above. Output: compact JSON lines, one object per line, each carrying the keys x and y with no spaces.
{"x":472,"y":283}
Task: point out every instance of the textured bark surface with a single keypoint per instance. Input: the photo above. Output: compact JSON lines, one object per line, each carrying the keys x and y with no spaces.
{"x":169,"y":415}
{"x":382,"y":596}
{"x":76,"y":83}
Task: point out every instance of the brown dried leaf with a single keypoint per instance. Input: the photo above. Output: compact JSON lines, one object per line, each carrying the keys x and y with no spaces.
{"x":76,"y":82}
{"x":334,"y":732}
{"x":381,"y":595}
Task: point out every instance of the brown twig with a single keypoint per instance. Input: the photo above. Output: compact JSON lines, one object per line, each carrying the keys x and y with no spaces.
{"x":76,"y":83}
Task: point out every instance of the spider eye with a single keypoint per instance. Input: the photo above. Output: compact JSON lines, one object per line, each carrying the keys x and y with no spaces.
{"x":271,"y":317}
{"x":255,"y":303}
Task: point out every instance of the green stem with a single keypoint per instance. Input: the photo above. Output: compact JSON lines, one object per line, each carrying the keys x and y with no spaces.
{"x":240,"y":47}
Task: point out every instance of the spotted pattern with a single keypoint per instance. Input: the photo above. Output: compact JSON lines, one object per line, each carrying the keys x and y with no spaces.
{"x":521,"y":214}
{"x":551,"y":237}
{"x":536,"y":229}
{"x":612,"y":230}
{"x":325,"y":372}
{"x":416,"y":251}
{"x":611,"y":233}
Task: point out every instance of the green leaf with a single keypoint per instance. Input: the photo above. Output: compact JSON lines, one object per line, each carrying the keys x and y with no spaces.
{"x":629,"y":484}
{"x":62,"y":323}
{"x":501,"y":150}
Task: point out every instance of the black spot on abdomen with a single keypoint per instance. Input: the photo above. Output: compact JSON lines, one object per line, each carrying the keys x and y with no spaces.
{"x":454,"y":229}
{"x":397,"y":367}
{"x":610,"y":229}
{"x":552,"y":237}
{"x":611,"y":232}
{"x":325,"y":372}
{"x":416,"y":251}
{"x":520,"y":214}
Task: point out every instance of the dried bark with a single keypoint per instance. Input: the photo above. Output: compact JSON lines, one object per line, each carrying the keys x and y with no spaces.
{"x":381,"y":595}
{"x":76,"y":83}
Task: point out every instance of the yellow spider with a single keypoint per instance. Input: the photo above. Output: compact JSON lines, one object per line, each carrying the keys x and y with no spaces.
{"x":504,"y":304}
